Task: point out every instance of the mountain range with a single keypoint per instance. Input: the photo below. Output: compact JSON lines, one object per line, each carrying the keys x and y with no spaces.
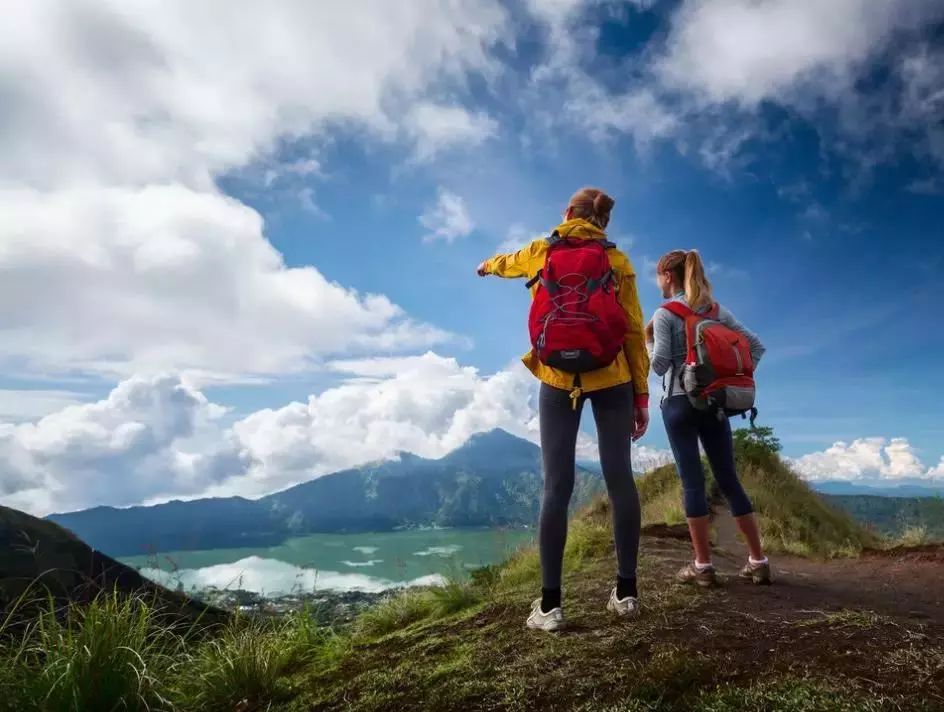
{"x":492,"y":480}
{"x":843,"y":487}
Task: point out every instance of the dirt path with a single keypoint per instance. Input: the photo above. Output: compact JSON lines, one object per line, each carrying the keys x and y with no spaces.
{"x":902,"y":583}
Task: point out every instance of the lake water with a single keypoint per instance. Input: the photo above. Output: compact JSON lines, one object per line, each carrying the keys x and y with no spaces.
{"x":336,"y":562}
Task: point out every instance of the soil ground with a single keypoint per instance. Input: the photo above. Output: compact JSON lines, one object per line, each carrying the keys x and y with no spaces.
{"x":848,"y":634}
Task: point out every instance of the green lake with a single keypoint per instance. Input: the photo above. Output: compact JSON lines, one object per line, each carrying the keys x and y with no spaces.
{"x":336,"y":562}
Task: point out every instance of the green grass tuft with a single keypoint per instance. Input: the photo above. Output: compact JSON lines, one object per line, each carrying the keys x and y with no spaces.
{"x":113,"y":653}
{"x":796,"y":695}
{"x":245,"y":665}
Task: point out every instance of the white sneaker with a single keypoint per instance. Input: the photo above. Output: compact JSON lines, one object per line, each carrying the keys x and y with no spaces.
{"x":550,"y":621}
{"x":628,"y":607}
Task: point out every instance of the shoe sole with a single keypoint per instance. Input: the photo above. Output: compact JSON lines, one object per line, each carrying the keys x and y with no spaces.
{"x":758,"y":580}
{"x":550,"y":627}
{"x":699,"y":582}
{"x":611,"y":607}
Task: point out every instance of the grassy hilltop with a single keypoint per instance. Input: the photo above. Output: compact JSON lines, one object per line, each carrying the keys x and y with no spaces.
{"x":846,"y":627}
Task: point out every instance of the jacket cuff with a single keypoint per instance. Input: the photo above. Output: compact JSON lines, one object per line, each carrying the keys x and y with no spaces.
{"x":641,"y":400}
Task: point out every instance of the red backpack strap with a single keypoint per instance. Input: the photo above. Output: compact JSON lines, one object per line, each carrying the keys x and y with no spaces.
{"x":682,"y":311}
{"x":690,"y":317}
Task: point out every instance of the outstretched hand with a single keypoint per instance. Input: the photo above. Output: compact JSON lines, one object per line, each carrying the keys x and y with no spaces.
{"x":480,"y":270}
{"x":640,"y":422}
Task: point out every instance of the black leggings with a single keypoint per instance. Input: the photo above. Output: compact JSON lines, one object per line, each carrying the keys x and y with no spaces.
{"x":685,"y":426}
{"x":613,"y":412}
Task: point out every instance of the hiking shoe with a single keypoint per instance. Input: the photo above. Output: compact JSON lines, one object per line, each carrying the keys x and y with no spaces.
{"x":627,"y":607}
{"x":758,"y":573}
{"x":690,"y":574}
{"x":550,"y":621}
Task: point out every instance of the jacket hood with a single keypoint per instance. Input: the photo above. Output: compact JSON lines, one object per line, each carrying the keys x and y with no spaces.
{"x":579,"y":227}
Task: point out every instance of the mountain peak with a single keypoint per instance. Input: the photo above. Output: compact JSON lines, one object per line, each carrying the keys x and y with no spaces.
{"x":496,"y":448}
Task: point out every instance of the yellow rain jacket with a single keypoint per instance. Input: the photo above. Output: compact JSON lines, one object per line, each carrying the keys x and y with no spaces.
{"x":632,"y":363}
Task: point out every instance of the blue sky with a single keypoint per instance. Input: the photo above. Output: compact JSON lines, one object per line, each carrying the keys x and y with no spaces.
{"x":228,"y":271}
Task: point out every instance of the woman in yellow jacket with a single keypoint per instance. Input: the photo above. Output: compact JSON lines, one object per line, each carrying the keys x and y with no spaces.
{"x":619,"y":396}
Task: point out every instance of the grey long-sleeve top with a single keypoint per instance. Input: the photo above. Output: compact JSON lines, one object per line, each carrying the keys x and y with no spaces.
{"x":667,"y":351}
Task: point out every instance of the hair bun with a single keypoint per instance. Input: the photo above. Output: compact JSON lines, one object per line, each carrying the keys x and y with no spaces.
{"x":603,"y":204}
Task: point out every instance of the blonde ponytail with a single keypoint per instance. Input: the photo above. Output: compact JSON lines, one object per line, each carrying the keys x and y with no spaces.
{"x":689,"y":272}
{"x":697,"y":286}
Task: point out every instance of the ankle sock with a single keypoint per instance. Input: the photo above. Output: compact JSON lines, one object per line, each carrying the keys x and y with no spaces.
{"x":756,"y":562}
{"x":550,"y":599}
{"x":703,"y":567}
{"x":626,"y":587}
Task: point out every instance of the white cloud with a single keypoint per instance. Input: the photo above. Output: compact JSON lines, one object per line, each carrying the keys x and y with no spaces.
{"x":747,"y":51}
{"x":518,"y":236}
{"x":427,"y":405}
{"x":163,"y":277}
{"x":156,"y":438}
{"x":119,"y":253}
{"x":702,"y":84}
{"x":273,"y":577}
{"x":137,"y":92}
{"x":436,"y":128}
{"x":149,"y":437}
{"x":31,"y":404}
{"x":937,"y":470}
{"x":865,"y":459}
{"x":448,"y":219}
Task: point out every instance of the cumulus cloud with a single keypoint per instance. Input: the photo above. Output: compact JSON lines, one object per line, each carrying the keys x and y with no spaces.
{"x":165,"y":276}
{"x":746,"y":51}
{"x":149,"y":437}
{"x":448,"y":219}
{"x":152,"y":439}
{"x":703,"y":83}
{"x":427,"y":405}
{"x":120,"y":117}
{"x":436,"y":128}
{"x":865,"y":459}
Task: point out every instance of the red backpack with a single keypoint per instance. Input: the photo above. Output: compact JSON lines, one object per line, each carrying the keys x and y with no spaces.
{"x":718,"y":373}
{"x":576,"y":321}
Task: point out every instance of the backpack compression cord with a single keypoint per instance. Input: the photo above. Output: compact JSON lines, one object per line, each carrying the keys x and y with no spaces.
{"x":576,"y":322}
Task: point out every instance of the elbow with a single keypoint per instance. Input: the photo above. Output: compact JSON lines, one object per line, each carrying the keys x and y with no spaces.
{"x":758,"y":354}
{"x":660,"y":366}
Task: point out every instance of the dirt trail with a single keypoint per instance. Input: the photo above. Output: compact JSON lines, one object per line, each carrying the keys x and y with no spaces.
{"x":902,"y":583}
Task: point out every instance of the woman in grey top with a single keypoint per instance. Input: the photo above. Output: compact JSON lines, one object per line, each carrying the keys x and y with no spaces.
{"x":681,"y":276}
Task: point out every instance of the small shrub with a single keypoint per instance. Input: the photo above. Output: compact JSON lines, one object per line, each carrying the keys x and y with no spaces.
{"x":660,"y":494}
{"x":244,"y":666}
{"x":307,"y":641}
{"x":110,"y":654}
{"x":913,"y":536}
{"x":454,"y":596}
{"x":398,"y":611}
{"x":524,"y":568}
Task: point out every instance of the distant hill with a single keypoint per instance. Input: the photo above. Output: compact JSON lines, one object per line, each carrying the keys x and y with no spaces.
{"x":39,"y":559}
{"x":492,"y":480}
{"x":930,"y":489}
{"x":895,"y":516}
